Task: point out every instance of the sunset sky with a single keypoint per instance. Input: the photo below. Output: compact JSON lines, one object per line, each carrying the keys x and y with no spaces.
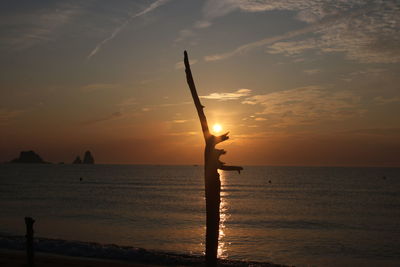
{"x":294,"y":82}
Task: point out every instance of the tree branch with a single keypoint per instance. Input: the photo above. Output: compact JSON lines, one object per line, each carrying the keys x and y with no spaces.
{"x":221,"y":138}
{"x":199,"y":106}
{"x":231,"y":168}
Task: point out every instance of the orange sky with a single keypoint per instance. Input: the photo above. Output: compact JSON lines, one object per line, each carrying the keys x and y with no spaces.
{"x":295,"y":83}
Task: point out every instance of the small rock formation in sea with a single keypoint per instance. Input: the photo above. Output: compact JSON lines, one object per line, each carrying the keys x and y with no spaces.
{"x":77,"y":160}
{"x":28,"y":157}
{"x":88,"y":158}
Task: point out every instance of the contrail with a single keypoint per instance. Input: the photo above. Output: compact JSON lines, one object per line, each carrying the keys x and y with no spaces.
{"x":117,"y":30}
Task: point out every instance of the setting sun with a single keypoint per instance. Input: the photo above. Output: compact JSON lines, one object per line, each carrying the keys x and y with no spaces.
{"x":217,"y":128}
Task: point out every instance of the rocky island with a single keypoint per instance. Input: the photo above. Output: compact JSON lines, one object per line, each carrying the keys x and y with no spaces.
{"x":28,"y":157}
{"x":87,"y":159}
{"x":77,"y":160}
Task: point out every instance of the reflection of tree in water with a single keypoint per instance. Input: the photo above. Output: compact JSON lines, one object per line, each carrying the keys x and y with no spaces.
{"x":223,"y":217}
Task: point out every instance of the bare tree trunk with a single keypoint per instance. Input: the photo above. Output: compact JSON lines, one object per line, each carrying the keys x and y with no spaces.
{"x":211,"y":175}
{"x":29,"y":241}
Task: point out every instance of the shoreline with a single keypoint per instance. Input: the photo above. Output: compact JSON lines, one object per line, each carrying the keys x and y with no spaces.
{"x":86,"y":254}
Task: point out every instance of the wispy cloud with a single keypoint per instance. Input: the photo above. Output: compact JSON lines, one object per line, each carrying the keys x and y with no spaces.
{"x":312,"y":71}
{"x":112,"y":116}
{"x":382,"y":100}
{"x":365,"y":31}
{"x":6,"y":115}
{"x":98,"y":86}
{"x":374,"y":131}
{"x":228,"y":96}
{"x":260,"y":119}
{"x":366,"y":41}
{"x":306,"y":105}
{"x":190,"y":133}
{"x":181,"y":65}
{"x":363,"y":74}
{"x":179,"y":121}
{"x":165,"y":105}
{"x":128,"y":102}
{"x":25,"y":30}
{"x":368,"y":72}
{"x":184,"y":34}
{"x":118,"y":29}
{"x":263,"y":42}
{"x":308,"y":11}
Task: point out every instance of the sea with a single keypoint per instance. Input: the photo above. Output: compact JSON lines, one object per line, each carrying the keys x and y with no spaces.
{"x":296,"y":216}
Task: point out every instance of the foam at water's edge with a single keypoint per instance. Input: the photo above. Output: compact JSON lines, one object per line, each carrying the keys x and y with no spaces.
{"x":111,"y":251}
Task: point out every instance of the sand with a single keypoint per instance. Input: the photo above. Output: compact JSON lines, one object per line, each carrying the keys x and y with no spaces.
{"x":13,"y":258}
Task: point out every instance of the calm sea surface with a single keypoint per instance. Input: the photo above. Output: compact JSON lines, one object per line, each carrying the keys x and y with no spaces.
{"x":290,"y":215}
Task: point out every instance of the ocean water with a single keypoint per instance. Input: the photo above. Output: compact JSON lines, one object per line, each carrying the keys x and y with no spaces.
{"x":302,"y":216}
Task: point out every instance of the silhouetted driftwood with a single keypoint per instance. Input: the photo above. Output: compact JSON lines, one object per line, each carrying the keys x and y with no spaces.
{"x":211,"y":175}
{"x":29,"y":241}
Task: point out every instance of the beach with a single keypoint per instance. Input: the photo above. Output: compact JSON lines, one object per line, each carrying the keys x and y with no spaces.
{"x":14,"y":258}
{"x":78,"y":253}
{"x":17,"y":258}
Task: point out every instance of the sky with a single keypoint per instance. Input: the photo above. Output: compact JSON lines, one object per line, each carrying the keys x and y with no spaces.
{"x":299,"y":83}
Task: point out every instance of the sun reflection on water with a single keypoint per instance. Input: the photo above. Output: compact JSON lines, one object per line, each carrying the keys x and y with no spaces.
{"x":224,"y":215}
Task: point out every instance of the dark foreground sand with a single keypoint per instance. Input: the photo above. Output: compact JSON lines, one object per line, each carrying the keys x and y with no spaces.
{"x":17,"y":258}
{"x":13,"y":258}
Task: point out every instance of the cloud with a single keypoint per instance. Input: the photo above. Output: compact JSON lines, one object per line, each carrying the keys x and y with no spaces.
{"x":25,"y":30}
{"x":374,"y":131}
{"x":228,"y":96}
{"x":7,"y":115}
{"x":98,"y":86}
{"x":292,"y":48}
{"x":307,"y":11}
{"x":118,"y":29}
{"x":368,"y":72}
{"x":261,"y":43}
{"x":190,"y":133}
{"x":382,"y":100}
{"x":112,"y":116}
{"x":128,"y":102}
{"x":364,"y":74}
{"x":179,"y":121}
{"x":156,"y":106}
{"x":260,"y":119}
{"x":373,"y":40}
{"x":365,"y":31}
{"x":181,"y":65}
{"x":214,"y":9}
{"x":312,"y":71}
{"x":184,"y":34}
{"x":306,"y":105}
{"x":167,"y":105}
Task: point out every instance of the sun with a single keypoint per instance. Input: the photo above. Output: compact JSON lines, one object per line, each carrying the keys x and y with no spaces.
{"x":217,"y":128}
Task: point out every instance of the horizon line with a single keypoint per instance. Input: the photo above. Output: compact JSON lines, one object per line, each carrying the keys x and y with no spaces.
{"x":202,"y":165}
